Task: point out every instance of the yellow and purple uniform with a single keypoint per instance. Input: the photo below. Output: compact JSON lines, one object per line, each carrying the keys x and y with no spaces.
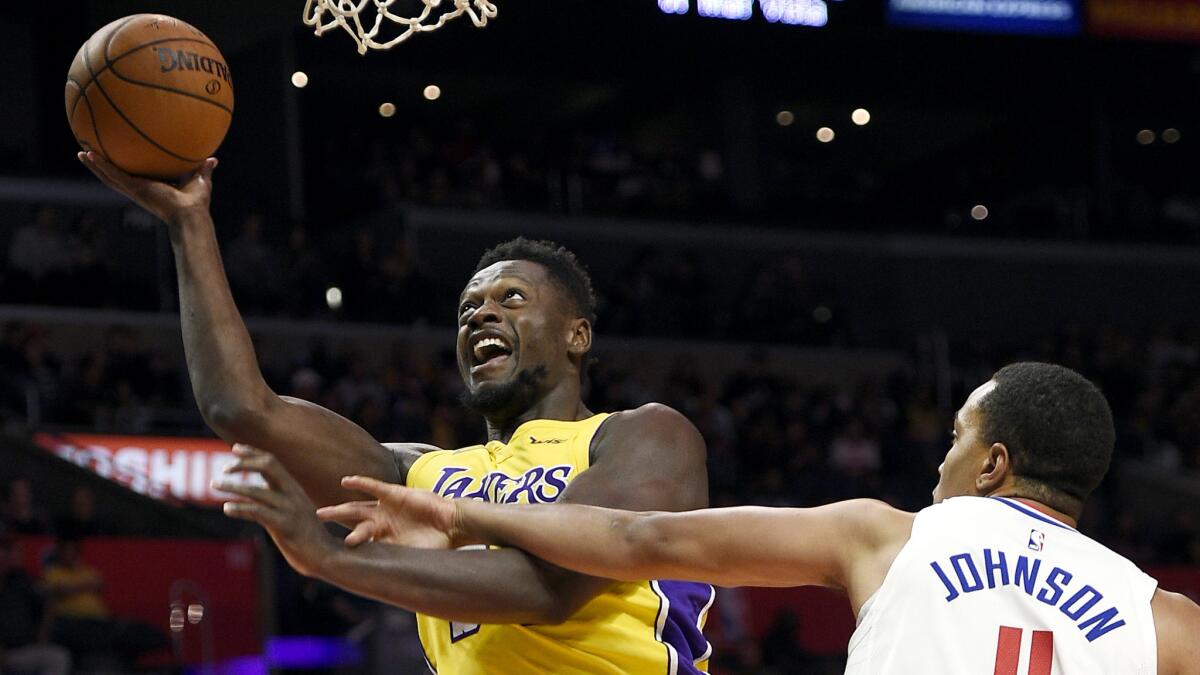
{"x":644,"y":627}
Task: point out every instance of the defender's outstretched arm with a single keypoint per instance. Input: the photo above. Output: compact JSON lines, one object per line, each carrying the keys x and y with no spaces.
{"x":847,"y":545}
{"x":741,"y":546}
{"x":1176,"y":626}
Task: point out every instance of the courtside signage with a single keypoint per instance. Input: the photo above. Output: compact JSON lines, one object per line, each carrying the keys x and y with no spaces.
{"x":174,"y":469}
{"x":1026,"y":17}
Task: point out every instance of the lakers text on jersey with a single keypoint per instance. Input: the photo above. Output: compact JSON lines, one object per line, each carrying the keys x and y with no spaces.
{"x":648,"y":627}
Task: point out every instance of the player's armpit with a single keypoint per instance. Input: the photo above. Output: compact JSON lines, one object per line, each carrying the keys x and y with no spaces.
{"x":405,"y":454}
{"x":1177,"y":625}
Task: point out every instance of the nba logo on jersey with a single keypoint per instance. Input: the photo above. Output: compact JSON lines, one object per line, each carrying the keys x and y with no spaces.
{"x":1037,"y":540}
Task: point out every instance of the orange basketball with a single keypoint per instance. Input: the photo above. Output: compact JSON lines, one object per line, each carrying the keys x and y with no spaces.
{"x":150,"y":93}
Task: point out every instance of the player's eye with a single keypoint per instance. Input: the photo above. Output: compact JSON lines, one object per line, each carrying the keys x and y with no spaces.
{"x":513,"y":293}
{"x":465,"y":307}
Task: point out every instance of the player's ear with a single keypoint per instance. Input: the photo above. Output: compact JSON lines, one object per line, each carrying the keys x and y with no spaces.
{"x":997,"y":469}
{"x":580,"y":336}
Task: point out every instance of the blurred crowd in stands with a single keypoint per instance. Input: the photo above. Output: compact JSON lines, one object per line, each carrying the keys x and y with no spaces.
{"x":654,"y":169}
{"x":55,"y":620}
{"x":772,"y":439}
{"x":662,"y":175}
{"x":57,"y":261}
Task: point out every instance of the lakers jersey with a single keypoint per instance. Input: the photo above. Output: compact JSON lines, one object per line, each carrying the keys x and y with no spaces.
{"x":991,"y":585}
{"x":633,"y":628}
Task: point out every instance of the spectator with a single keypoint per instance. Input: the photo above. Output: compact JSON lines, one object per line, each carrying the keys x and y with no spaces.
{"x":39,"y":254}
{"x":127,"y":362}
{"x":82,"y":620}
{"x":25,"y":628}
{"x":304,"y":274}
{"x":74,"y":586}
{"x":853,"y":452}
{"x":406,"y":294}
{"x":778,"y":304}
{"x":81,"y":520}
{"x":21,"y":513}
{"x":250,"y":264}
{"x":90,"y":273}
{"x":1179,"y":542}
{"x":12,"y":388}
{"x":358,"y":385}
{"x":40,"y":371}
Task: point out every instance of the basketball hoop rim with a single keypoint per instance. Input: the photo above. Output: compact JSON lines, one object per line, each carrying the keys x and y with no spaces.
{"x":326,"y":15}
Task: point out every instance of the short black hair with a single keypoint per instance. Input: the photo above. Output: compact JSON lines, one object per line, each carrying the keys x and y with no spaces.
{"x":561,"y":263}
{"x":1057,"y":427}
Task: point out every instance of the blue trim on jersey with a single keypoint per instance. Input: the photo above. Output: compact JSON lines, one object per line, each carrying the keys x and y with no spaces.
{"x":1031,"y":513}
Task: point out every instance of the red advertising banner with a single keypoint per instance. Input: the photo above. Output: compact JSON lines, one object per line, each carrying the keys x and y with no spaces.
{"x":158,"y":466}
{"x":214,"y":583}
{"x":1149,"y":19}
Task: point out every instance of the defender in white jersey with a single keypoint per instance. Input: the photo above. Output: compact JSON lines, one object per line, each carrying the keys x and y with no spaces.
{"x":994,"y":578}
{"x":1013,"y":590}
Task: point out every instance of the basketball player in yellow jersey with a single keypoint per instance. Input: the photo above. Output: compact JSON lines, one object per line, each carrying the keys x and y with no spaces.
{"x":524,"y":332}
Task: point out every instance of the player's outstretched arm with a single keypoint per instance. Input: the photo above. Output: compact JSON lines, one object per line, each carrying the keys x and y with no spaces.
{"x":482,"y":586}
{"x":647,"y":459}
{"x":316,"y":444}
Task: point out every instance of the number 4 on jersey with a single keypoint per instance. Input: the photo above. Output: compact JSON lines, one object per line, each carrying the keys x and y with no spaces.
{"x":1008,"y":651}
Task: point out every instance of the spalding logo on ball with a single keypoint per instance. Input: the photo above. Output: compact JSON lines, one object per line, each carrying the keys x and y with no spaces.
{"x":151,"y":94}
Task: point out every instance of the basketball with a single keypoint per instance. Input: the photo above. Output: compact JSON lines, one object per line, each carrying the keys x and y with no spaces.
{"x":151,"y":94}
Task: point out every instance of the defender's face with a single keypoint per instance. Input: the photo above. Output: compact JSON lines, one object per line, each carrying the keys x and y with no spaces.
{"x":968,"y":455}
{"x":509,"y":319}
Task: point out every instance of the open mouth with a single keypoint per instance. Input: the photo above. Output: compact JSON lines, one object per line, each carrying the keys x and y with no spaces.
{"x":489,"y":350}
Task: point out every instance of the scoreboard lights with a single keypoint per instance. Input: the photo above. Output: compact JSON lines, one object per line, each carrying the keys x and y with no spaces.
{"x":1146,"y":19}
{"x":813,"y":13}
{"x":1044,"y":17}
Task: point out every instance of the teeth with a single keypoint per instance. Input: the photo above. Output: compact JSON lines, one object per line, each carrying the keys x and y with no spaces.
{"x":488,"y":342}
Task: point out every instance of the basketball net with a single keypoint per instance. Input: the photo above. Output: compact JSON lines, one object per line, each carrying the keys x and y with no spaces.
{"x":353,"y":17}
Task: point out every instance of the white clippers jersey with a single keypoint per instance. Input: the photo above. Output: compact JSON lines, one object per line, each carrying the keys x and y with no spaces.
{"x":990,"y":586}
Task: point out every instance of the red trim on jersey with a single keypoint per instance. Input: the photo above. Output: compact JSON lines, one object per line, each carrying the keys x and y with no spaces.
{"x":1042,"y":509}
